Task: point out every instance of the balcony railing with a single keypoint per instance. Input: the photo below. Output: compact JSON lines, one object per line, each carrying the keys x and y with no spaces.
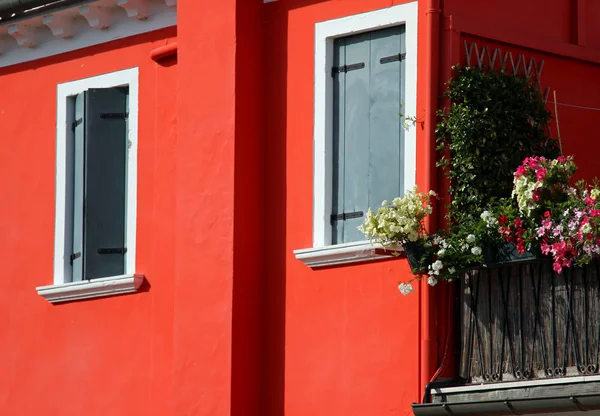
{"x":525,"y":321}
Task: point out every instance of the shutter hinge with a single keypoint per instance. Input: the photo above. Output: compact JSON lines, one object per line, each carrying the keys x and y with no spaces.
{"x":76,"y":123}
{"x":117,"y":250}
{"x":346,"y":68}
{"x":114,"y":115}
{"x":346,"y":216}
{"x":73,"y":257}
{"x":393,"y":58}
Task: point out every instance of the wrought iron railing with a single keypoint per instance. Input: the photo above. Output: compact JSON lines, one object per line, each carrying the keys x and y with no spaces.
{"x":526,"y":321}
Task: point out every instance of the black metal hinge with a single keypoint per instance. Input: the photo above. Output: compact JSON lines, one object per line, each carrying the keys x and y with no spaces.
{"x":393,"y":58}
{"x":116,"y":250}
{"x":73,"y":257}
{"x":114,"y":115}
{"x":346,"y":216}
{"x":346,"y":68}
{"x":76,"y":123}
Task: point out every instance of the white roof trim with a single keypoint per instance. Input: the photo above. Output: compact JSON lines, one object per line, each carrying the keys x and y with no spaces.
{"x":79,"y":27}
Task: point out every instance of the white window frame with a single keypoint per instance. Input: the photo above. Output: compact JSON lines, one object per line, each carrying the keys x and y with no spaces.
{"x":325,"y":34}
{"x":63,"y":288}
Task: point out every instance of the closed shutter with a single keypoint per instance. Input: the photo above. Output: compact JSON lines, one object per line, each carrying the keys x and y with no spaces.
{"x":105,"y":156}
{"x":368,"y":140}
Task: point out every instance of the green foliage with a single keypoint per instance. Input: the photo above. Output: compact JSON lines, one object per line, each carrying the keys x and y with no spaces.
{"x":494,"y":122}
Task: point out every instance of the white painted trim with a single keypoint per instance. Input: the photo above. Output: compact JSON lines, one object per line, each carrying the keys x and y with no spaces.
{"x":341,"y":254}
{"x":518,"y":384}
{"x":325,"y":33}
{"x":106,"y":286}
{"x":109,"y":22}
{"x":127,"y":77}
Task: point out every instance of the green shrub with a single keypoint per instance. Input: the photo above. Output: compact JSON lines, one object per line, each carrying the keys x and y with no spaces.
{"x":495,"y":121}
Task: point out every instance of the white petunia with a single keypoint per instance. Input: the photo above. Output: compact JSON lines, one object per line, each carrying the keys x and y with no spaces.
{"x":438,"y":265}
{"x":470,"y":238}
{"x":476,"y":251}
{"x":405,"y":288}
{"x":432,"y":281}
{"x":451,"y":270}
{"x":464,"y":247}
{"x":441,"y":252}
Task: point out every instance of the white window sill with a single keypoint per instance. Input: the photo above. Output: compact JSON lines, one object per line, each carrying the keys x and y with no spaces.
{"x":361,"y":251}
{"x":87,"y":289}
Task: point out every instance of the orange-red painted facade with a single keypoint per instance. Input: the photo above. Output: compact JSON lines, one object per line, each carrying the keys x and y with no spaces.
{"x":228,"y":321}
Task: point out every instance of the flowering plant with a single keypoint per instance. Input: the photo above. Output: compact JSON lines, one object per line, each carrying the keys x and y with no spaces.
{"x":400,"y":221}
{"x":570,"y":232}
{"x":541,"y":182}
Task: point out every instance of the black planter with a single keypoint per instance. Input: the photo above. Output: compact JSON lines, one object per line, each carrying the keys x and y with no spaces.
{"x":505,"y":254}
{"x":419,"y":256}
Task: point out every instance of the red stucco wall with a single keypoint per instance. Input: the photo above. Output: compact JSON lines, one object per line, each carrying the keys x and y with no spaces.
{"x":342,"y":340}
{"x":230,"y":323}
{"x":103,"y":356}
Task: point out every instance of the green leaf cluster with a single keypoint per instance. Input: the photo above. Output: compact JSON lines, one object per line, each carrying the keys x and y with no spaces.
{"x":494,"y":122}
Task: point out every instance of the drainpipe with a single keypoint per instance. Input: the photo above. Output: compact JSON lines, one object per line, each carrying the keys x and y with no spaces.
{"x":428,"y":336}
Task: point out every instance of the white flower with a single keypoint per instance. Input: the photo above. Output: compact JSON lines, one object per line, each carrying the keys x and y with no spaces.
{"x":464,"y":247}
{"x":405,"y":288}
{"x":441,"y":252}
{"x":470,"y":238}
{"x":437,"y":266}
{"x":451,"y":270}
{"x":432,"y":193}
{"x":476,"y":251}
{"x":432,"y":281}
{"x":485,"y":215}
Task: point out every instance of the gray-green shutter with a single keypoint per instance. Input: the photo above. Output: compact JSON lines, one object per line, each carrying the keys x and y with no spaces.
{"x":78,"y":173}
{"x":368,"y":140}
{"x":104,"y":182}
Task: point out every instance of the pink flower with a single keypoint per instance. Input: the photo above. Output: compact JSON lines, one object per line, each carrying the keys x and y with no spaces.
{"x":557,"y":267}
{"x":520,"y":171}
{"x":589,"y":201}
{"x":561,"y":159}
{"x":546,"y":248}
{"x":540,"y":174}
{"x":533,"y":163}
{"x":536,"y":196}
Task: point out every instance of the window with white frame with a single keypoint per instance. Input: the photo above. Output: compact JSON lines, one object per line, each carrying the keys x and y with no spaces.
{"x":368,"y":138}
{"x":365,"y":84}
{"x":96,"y":181}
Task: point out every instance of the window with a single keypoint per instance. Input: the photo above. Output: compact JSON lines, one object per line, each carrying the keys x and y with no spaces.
{"x":98,"y":155}
{"x":368,"y":139}
{"x":365,"y":69}
{"x":96,"y":186}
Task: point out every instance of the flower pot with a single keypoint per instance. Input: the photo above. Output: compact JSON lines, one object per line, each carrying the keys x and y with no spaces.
{"x":419,"y":256}
{"x":504,"y":254}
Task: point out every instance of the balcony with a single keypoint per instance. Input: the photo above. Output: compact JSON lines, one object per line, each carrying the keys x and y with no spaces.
{"x":529,"y":342}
